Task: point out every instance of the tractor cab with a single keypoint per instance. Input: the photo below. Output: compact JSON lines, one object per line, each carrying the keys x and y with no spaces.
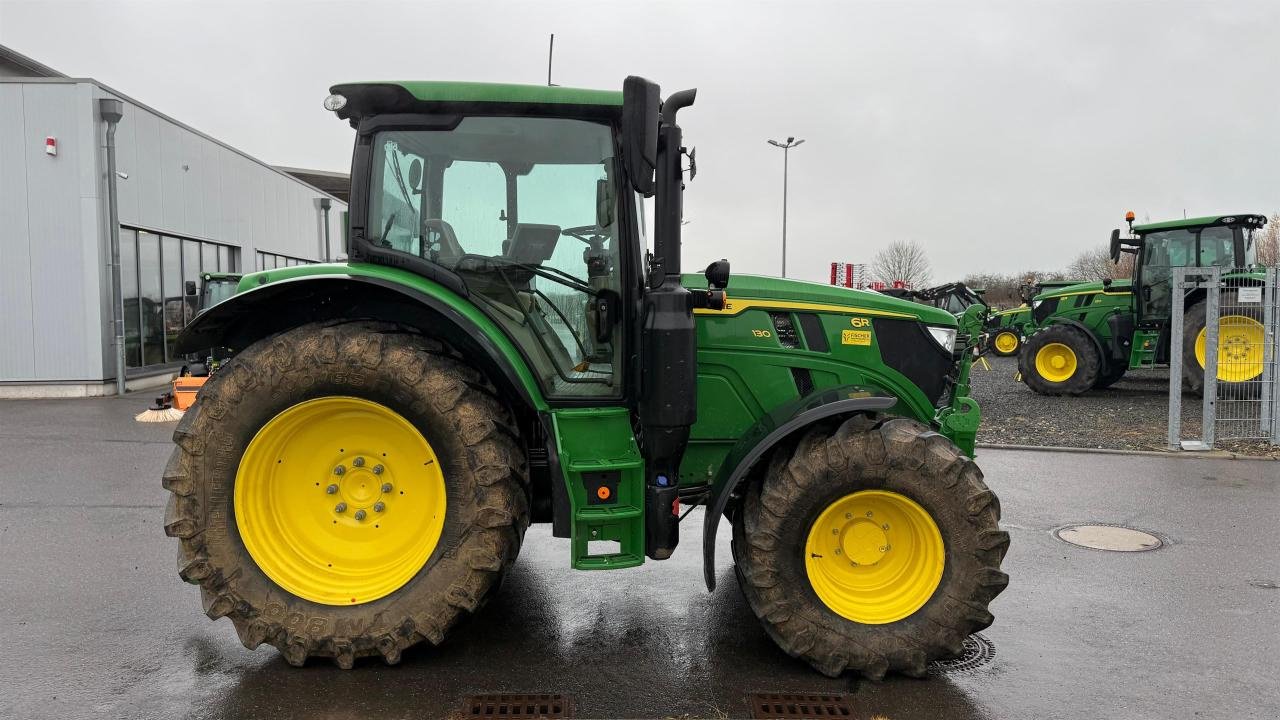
{"x":1225,"y":241}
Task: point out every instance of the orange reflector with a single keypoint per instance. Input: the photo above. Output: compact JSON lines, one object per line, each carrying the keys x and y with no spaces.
{"x":1129,"y":216}
{"x":602,"y":492}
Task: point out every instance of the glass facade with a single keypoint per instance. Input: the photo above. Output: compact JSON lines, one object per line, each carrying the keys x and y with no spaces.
{"x":153,"y":271}
{"x":271,"y":261}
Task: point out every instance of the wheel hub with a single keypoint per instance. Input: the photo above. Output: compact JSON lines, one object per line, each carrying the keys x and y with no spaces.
{"x":874,"y":556}
{"x":1240,"y":343}
{"x":339,"y":500}
{"x":1056,"y":362}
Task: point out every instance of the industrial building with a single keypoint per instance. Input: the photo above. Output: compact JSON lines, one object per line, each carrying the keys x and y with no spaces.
{"x":187,"y":203}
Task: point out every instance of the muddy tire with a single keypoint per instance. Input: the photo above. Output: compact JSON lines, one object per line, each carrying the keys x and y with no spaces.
{"x":1066,"y":343}
{"x":825,"y":467}
{"x":440,"y":396}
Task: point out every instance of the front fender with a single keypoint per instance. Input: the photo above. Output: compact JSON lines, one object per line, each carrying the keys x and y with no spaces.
{"x":767,"y":432}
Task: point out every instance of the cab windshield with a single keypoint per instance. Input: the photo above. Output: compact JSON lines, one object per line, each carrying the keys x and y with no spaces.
{"x":523,"y":210}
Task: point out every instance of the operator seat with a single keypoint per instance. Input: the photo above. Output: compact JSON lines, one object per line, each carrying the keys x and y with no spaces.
{"x":439,"y":242}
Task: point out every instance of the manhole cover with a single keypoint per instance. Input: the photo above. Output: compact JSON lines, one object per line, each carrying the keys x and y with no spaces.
{"x":1116,"y":538}
{"x":518,"y":707}
{"x":789,"y":706}
{"x":978,"y":651}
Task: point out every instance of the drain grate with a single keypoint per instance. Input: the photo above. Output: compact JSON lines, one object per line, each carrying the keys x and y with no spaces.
{"x":518,"y":707}
{"x":978,"y":651}
{"x":1105,"y":536}
{"x":789,"y":706}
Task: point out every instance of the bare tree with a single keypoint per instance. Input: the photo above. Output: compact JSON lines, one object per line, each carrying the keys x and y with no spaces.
{"x":1096,"y":265}
{"x":1268,"y":242}
{"x":902,"y":260}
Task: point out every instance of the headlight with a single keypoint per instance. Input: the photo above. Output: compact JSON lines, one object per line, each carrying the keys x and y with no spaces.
{"x":335,"y":103}
{"x":946,"y":337}
{"x":1035,"y":304}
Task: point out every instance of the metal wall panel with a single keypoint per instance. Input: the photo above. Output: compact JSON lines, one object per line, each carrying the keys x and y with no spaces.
{"x":55,"y":233}
{"x":17,"y":358}
{"x":54,"y":247}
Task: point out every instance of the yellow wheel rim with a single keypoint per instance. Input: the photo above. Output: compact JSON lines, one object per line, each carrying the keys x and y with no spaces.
{"x":339,"y":500}
{"x":1056,"y":362}
{"x":1006,"y":342}
{"x":874,"y":557}
{"x":1240,"y":342}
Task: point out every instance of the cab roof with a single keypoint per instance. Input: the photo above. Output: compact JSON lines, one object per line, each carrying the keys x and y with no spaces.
{"x":418,"y":96}
{"x":1206,"y":221}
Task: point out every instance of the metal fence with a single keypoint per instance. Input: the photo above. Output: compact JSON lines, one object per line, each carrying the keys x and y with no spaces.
{"x":1236,"y":344}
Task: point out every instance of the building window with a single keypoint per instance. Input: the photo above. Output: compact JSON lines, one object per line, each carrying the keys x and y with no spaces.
{"x":271,"y":261}
{"x":153,"y":271}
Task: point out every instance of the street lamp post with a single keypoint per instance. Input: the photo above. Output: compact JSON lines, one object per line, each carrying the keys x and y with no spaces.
{"x":786,"y":150}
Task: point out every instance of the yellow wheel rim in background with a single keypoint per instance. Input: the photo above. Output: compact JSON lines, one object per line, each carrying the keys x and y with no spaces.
{"x":1240,"y":341}
{"x":874,"y":557}
{"x":339,"y":500}
{"x":1006,"y":342}
{"x":1056,"y":362}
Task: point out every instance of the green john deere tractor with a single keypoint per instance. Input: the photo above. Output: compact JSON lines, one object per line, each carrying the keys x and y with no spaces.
{"x":1088,"y":335}
{"x":1007,"y":328}
{"x":501,"y":349}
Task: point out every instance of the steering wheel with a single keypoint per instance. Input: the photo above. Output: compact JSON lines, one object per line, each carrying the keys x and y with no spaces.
{"x":589,"y":234}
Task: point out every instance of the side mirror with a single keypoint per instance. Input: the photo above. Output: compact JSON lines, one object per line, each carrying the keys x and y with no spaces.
{"x":415,"y":173}
{"x":1115,"y":245}
{"x":604,"y":203}
{"x":189,"y":287}
{"x":640,"y":107}
{"x":717,"y":275}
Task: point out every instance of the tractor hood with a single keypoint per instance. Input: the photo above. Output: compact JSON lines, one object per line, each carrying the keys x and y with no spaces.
{"x":817,"y":295}
{"x":1117,"y":286}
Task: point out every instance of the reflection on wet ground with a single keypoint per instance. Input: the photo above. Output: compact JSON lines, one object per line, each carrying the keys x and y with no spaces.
{"x":98,"y":624}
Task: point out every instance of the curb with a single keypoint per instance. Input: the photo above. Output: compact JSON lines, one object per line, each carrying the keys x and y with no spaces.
{"x":1209,"y":455}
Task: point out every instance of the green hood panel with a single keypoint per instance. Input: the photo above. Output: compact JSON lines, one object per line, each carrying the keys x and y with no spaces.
{"x":1118,"y":287}
{"x":781,"y":290}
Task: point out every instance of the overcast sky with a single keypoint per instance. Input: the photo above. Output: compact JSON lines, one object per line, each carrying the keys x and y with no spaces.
{"x":1001,"y":136}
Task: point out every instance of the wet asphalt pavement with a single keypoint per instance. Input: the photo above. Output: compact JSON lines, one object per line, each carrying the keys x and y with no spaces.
{"x":97,"y":623}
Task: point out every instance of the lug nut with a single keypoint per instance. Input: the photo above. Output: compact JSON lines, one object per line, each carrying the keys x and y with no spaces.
{"x":358,"y":462}
{"x":869,"y":513}
{"x":379,"y":507}
{"x":838,"y":551}
{"x":359,"y":515}
{"x":339,"y":470}
{"x":386,"y":487}
{"x":848,"y":516}
{"x":884,"y":526}
{"x":377,"y":469}
{"x":340,"y":508}
{"x":883,"y":548}
{"x":331,"y":489}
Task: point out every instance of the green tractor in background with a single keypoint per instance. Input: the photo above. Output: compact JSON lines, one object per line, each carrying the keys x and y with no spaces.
{"x":1006,"y":328}
{"x":1088,"y":335}
{"x":500,"y":349}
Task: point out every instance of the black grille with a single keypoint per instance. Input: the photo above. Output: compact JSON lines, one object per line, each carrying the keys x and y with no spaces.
{"x":907,"y":346}
{"x":1044,"y":309}
{"x":804,"y":380}
{"x":800,"y":706}
{"x":786,"y":331}
{"x":518,"y":707}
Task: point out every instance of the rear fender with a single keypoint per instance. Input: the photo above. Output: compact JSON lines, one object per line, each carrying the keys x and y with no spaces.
{"x":768,"y":432}
{"x":275,"y":307}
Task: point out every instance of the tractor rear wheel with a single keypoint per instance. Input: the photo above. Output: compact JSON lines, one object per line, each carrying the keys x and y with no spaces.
{"x":873,"y":546}
{"x":1005,"y":343}
{"x":1059,"y":360}
{"x":345,"y":490}
{"x":1111,"y":376}
{"x":1241,"y":338}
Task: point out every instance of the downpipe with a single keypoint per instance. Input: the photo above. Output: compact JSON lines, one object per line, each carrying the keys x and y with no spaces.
{"x":111,"y":110}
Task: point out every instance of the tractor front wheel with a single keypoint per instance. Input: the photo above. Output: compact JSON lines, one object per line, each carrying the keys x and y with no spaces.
{"x":1005,"y":343}
{"x":873,"y":546}
{"x":1059,"y":360}
{"x":345,"y":490}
